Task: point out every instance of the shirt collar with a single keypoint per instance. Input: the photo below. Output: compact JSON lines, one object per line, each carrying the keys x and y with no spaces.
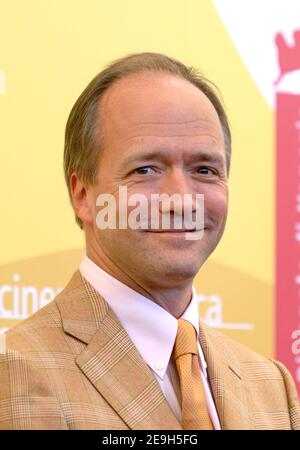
{"x":150,"y":327}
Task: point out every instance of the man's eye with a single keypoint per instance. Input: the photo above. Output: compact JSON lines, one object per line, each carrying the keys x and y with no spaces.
{"x":206,"y":171}
{"x":143,"y":170}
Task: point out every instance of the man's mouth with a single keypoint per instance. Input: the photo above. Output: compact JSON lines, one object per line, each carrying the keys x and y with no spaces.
{"x":172,"y":230}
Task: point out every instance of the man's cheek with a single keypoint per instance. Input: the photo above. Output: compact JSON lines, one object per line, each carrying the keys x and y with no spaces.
{"x":216,"y":206}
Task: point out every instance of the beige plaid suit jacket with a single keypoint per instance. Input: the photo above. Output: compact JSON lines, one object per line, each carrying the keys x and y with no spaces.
{"x":71,"y":365}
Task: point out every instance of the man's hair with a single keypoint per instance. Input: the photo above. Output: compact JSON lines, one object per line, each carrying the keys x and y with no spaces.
{"x":83,"y":129}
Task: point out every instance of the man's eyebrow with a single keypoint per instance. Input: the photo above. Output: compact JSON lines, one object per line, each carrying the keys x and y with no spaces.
{"x":200,"y":155}
{"x":142,"y":156}
{"x":211,"y":157}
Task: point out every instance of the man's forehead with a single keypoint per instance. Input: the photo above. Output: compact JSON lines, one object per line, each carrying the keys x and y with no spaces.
{"x":146,"y":79}
{"x":156,"y":97}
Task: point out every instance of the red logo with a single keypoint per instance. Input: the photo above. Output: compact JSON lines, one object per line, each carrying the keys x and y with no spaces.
{"x":288,"y":56}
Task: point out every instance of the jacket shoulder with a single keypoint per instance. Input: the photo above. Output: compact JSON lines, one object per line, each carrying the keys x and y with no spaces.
{"x":33,"y":333}
{"x":43,"y":330}
{"x":28,"y":399}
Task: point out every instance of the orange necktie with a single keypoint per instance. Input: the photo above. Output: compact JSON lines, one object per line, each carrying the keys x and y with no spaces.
{"x":193,"y":402}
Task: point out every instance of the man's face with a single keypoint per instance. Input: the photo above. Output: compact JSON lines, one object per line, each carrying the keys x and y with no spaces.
{"x":159,"y":134}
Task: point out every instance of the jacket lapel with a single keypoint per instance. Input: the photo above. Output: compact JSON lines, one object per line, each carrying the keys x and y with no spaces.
{"x":226,"y":381}
{"x":111,"y":361}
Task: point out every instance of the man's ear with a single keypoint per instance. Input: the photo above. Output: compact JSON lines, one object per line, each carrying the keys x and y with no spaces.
{"x":80,"y":199}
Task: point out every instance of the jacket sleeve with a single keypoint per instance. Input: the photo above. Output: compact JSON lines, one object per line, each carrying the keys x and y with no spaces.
{"x":24,"y":404}
{"x":292,"y":396}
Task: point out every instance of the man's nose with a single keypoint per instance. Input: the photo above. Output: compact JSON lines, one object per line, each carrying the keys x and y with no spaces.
{"x":176,"y":183}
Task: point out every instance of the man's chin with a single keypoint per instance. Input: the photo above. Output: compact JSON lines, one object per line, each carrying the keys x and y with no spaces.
{"x":179,"y":269}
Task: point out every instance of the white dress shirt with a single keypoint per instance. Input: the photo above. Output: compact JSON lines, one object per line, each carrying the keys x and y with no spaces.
{"x":152,"y":330}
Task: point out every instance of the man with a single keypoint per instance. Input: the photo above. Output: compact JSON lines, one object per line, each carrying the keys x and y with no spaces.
{"x":121,"y":346}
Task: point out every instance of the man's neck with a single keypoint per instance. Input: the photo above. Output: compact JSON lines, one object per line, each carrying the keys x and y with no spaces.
{"x":174,"y":299}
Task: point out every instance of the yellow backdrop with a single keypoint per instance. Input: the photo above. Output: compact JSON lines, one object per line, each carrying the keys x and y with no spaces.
{"x":49,"y":51}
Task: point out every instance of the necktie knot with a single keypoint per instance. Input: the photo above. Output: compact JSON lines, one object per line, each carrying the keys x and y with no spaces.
{"x":186,"y":340}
